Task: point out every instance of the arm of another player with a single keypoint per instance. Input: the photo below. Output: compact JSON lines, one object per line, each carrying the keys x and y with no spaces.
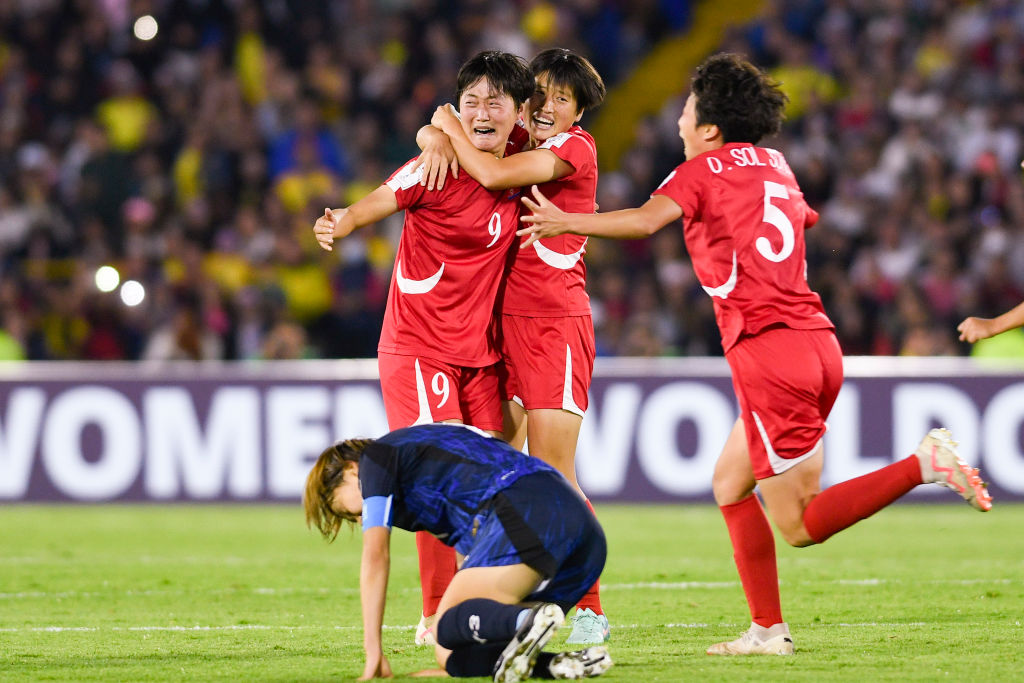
{"x":972,"y":329}
{"x":547,"y":220}
{"x":373,"y":589}
{"x":337,"y":223}
{"x":517,"y":170}
{"x":436,"y":158}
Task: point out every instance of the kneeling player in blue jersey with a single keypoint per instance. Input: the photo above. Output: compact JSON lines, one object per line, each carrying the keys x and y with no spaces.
{"x":529,"y":546}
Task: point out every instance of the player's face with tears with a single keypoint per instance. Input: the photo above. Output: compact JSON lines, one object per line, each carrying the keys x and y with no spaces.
{"x":552,"y":109}
{"x":347,"y":497}
{"x":487,"y":116}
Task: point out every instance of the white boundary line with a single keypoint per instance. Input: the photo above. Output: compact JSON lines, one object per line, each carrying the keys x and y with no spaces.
{"x":643,"y":585}
{"x":284,"y":627}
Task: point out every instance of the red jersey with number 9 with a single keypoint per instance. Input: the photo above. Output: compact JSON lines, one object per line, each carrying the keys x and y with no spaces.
{"x":744,"y":218}
{"x":448,"y":269}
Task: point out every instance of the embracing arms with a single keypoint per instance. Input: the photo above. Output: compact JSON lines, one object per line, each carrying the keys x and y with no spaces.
{"x":516,"y":170}
{"x":547,"y":220}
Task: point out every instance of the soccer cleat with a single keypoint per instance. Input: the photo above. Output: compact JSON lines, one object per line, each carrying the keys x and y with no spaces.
{"x":519,"y":657}
{"x":424,"y":636}
{"x":942,"y":465}
{"x":758,"y":640}
{"x":587,"y":663}
{"x":589,"y":628}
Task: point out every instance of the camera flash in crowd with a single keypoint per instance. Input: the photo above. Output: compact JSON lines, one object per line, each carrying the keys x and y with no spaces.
{"x":146,"y":27}
{"x":132,"y":293}
{"x":107,"y":278}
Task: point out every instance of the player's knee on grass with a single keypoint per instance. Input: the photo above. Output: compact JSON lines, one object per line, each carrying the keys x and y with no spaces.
{"x":442,"y":654}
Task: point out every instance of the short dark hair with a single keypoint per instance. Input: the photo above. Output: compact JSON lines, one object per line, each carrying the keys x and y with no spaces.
{"x":326,"y":475}
{"x":744,"y":102}
{"x":506,"y":73}
{"x":566,"y":69}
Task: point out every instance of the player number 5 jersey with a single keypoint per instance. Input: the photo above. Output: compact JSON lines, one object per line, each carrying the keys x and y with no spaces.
{"x":744,"y":218}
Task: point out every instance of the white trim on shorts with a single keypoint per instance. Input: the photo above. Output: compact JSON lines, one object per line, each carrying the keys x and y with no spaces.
{"x":421,"y":395}
{"x":776,"y":461}
{"x":568,"y":402}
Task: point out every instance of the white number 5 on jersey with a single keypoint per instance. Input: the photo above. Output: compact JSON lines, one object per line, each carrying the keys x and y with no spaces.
{"x":775,"y":216}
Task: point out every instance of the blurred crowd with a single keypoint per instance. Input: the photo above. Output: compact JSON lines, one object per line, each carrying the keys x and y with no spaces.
{"x":904,"y":129}
{"x":196,"y":159}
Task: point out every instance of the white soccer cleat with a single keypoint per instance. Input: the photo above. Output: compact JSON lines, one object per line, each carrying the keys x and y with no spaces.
{"x":758,"y":640}
{"x":587,"y":663}
{"x":424,"y":636}
{"x":589,"y":628}
{"x":519,"y":657}
{"x":942,"y":465}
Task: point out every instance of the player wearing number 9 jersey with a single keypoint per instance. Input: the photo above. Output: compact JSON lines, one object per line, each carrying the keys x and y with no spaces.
{"x":438,"y":350}
{"x":547,"y":336}
{"x":744,"y":218}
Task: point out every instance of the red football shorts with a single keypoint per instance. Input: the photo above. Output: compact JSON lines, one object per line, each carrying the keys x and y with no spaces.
{"x":548,"y":362}
{"x":786,"y":381}
{"x":422,"y":390}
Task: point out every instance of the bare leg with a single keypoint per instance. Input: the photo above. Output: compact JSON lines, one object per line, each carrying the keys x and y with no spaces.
{"x":787,"y":495}
{"x":515,"y":424}
{"x":509,"y":585}
{"x":552,"y":434}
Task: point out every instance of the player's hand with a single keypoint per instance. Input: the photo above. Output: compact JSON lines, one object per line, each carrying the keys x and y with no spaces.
{"x":972,"y":329}
{"x":377,"y":666}
{"x":325,"y":226}
{"x":547,"y":220}
{"x":437,"y":157}
{"x":444,"y":118}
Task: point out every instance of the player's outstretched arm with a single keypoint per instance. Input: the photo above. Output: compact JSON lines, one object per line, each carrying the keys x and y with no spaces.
{"x":517,"y":170}
{"x":547,"y":220}
{"x":373,"y":588}
{"x":436,"y":157}
{"x":972,"y":329}
{"x":337,"y":223}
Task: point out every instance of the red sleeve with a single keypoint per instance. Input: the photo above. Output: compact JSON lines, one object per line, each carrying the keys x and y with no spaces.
{"x":812,"y":218}
{"x":517,"y":139}
{"x":405,"y":183}
{"x":573,"y":150}
{"x":683,"y":186}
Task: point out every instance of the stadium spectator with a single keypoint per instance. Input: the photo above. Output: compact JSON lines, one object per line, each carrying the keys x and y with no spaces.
{"x":199,"y":106}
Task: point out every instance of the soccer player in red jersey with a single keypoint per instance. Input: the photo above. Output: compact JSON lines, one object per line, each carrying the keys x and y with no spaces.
{"x":547,"y":336}
{"x":743,"y":218}
{"x":438,"y":353}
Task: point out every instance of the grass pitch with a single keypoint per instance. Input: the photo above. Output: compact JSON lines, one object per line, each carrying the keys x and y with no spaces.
{"x":148,"y":593}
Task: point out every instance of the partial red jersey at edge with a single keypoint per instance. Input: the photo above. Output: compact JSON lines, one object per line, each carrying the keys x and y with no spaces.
{"x":449,"y":265}
{"x":548,"y":279}
{"x":744,"y":218}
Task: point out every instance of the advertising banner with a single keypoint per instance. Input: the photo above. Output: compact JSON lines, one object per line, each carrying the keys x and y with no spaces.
{"x":250,"y":432}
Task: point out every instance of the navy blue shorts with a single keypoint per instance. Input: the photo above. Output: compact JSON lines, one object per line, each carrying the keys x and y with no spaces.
{"x":542,"y":522}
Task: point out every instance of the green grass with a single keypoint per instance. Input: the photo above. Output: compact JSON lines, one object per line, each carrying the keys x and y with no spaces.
{"x":144,"y":593}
